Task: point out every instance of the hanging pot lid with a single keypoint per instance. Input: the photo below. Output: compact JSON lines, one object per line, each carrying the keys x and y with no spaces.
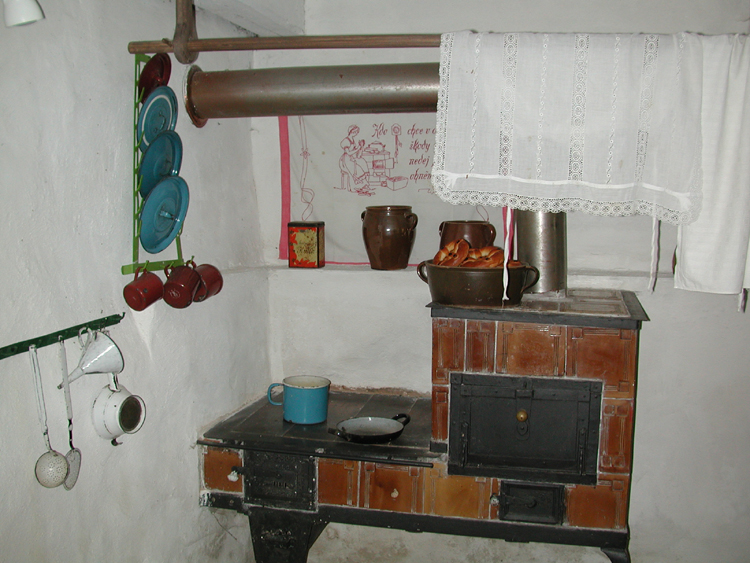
{"x":155,"y":73}
{"x":159,"y":113}
{"x":163,"y":158}
{"x":163,"y":214}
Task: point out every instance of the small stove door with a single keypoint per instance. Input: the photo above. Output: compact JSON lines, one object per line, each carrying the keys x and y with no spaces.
{"x":535,"y":428}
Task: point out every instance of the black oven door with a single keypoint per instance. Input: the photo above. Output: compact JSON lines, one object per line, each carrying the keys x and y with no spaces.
{"x":531,"y":428}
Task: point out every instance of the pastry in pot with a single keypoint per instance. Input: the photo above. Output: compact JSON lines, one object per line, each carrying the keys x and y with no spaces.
{"x":452,"y":254}
{"x":486,"y":257}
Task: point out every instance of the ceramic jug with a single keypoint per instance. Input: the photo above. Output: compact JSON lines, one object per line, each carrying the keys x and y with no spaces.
{"x":388,"y":232}
{"x":477,"y":233}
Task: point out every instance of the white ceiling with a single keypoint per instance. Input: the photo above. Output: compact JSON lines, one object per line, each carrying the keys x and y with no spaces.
{"x":262,"y":17}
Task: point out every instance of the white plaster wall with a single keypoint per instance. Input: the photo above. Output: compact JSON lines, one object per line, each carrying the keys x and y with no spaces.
{"x":65,"y":178}
{"x":689,"y":495}
{"x":66,"y":91}
{"x":262,"y":17}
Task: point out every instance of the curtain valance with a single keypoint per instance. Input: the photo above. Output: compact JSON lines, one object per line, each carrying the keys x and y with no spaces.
{"x":608,"y":124}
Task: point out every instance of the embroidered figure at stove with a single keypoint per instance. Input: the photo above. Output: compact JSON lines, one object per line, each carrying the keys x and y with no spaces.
{"x":354,"y":171}
{"x":366,"y":167}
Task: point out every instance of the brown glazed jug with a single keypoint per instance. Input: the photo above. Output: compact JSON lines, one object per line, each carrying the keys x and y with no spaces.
{"x":477,"y":233}
{"x":388,"y":231}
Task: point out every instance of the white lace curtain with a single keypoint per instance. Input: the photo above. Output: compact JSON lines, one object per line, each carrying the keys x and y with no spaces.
{"x":608,"y":124}
{"x":603,"y":123}
{"x":712,"y":251}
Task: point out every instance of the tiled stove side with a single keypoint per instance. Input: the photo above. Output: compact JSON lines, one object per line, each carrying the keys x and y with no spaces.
{"x":541,"y":346}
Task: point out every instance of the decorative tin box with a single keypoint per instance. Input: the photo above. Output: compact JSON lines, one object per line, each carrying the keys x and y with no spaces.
{"x":307,"y":244}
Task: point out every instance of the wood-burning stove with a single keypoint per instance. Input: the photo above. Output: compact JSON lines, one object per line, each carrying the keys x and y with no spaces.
{"x":527,"y":437}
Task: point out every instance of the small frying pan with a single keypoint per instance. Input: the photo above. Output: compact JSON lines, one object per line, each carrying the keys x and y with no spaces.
{"x":371,"y":429}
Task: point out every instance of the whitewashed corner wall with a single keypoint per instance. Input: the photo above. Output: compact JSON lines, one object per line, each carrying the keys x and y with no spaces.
{"x":65,"y":180}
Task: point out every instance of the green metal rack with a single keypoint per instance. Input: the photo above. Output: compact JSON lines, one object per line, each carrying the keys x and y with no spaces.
{"x":126,"y":269}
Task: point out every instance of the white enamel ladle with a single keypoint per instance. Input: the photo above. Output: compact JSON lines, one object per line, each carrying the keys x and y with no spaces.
{"x":52,"y":467}
{"x":74,"y":455}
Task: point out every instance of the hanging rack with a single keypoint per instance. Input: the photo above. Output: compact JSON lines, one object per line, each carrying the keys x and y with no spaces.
{"x":185,"y":45}
{"x":55,"y":337}
{"x":290,"y":43}
{"x":127,"y":269}
{"x":297,"y":91}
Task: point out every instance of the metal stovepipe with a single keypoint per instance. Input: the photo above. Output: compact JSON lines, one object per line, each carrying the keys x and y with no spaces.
{"x":389,"y":88}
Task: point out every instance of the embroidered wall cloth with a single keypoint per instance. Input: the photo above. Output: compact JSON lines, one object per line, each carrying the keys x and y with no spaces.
{"x":608,"y":124}
{"x":340,"y":164}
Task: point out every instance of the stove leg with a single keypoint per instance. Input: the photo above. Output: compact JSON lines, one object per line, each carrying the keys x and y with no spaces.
{"x":617,"y":555}
{"x":283,"y":536}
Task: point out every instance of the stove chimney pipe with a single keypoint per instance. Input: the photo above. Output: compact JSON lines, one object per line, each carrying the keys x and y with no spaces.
{"x":390,"y":88}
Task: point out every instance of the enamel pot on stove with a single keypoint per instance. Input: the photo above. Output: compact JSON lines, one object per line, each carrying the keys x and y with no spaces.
{"x":371,"y":429}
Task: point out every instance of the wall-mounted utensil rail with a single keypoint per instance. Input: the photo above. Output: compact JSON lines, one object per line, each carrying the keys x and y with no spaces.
{"x":55,"y":337}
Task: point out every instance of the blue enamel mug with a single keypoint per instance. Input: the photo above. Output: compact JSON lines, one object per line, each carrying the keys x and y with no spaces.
{"x":305,"y":398}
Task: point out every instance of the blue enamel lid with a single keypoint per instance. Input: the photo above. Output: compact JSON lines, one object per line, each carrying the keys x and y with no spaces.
{"x":162,"y":158}
{"x":163,"y":214}
{"x":159,"y":113}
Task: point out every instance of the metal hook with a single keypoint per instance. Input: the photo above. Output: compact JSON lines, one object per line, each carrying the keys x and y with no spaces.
{"x":83,"y":344}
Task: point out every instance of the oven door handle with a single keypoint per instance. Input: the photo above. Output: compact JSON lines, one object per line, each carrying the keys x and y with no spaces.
{"x":524,"y":398}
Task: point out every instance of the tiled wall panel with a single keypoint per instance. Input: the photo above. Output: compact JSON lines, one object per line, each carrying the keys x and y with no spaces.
{"x":456,"y":495}
{"x":531,"y":349}
{"x":604,"y":505}
{"x":391,"y":487}
{"x":606,"y":354}
{"x":217,"y":466}
{"x":338,"y":482}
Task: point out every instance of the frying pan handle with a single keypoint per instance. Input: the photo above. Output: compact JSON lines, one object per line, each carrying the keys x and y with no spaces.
{"x":406,"y":418}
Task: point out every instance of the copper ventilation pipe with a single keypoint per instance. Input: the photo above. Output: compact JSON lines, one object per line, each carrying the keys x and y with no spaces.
{"x":390,"y":88}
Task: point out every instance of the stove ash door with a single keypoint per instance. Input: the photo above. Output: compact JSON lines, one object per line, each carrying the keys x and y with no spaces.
{"x":531,"y":428}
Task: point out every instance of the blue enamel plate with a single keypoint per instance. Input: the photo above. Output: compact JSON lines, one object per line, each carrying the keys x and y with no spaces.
{"x":163,"y":158}
{"x":159,"y":113}
{"x":163,"y":214}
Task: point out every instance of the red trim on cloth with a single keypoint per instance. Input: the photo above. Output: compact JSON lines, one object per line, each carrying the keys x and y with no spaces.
{"x":286,"y":187}
{"x":509,"y":236}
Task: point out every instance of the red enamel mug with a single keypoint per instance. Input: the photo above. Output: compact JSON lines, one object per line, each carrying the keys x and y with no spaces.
{"x":182,"y":284}
{"x":143,"y":291}
{"x":210,"y":284}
